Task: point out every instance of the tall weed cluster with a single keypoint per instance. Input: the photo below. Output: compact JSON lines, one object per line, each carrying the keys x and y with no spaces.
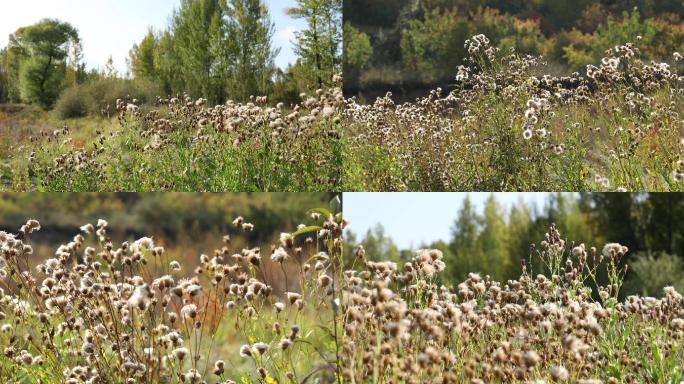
{"x":510,"y":126}
{"x":402,"y":325}
{"x":96,"y":312}
{"x":185,"y":145}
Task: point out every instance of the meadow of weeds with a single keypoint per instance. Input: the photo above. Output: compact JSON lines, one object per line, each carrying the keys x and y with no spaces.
{"x":98,"y":312}
{"x":508,"y":125}
{"x":555,"y":324}
{"x":182,"y":144}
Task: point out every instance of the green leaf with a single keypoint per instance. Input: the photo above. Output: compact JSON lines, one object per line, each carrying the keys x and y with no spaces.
{"x":308,"y":229}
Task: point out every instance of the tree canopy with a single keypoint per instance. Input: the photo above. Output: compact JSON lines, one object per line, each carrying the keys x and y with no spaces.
{"x":417,"y":44}
{"x":35,"y":61}
{"x":213,"y":49}
{"x":223,"y":49}
{"x":318,"y":46}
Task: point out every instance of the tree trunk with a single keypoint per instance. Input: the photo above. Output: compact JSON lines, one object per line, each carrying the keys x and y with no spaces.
{"x":44,"y":78}
{"x":317,"y":57}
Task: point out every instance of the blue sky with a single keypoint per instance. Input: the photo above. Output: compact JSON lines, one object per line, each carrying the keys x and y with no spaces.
{"x":412,"y":219}
{"x":113,"y":26}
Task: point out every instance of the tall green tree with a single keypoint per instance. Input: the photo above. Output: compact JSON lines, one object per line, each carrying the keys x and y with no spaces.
{"x":249,"y":54}
{"x":464,"y":242}
{"x":519,"y":233}
{"x":197,"y":36}
{"x":12,"y":58}
{"x":493,"y":241}
{"x":357,"y":52}
{"x":3,"y":76}
{"x":76,"y":70}
{"x":170,"y":71}
{"x":379,"y":246}
{"x":357,"y":48}
{"x":143,"y":58}
{"x":318,"y":46}
{"x":41,"y":50}
{"x":613,"y":214}
{"x":110,"y":71}
{"x":665,"y":222}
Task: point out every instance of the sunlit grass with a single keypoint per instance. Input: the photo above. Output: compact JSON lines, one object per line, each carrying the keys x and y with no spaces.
{"x":184,"y":145}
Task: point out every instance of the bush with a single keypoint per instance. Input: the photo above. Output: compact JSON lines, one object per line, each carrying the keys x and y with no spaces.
{"x":571,"y":48}
{"x":104,"y":92}
{"x":652,"y":273}
{"x":72,"y":103}
{"x":660,"y":38}
{"x":98,"y":97}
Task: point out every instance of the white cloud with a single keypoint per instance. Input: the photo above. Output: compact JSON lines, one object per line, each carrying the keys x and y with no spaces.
{"x":287,"y":35}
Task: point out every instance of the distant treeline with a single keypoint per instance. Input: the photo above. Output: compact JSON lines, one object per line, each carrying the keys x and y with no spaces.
{"x":172,"y":216}
{"x":496,"y":241}
{"x":214,"y":49}
{"x":404,"y":45}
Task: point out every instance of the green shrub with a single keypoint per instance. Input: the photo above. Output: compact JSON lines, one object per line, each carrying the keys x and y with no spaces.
{"x":657,"y":39}
{"x":72,"y":103}
{"x":652,"y":273}
{"x":98,"y":97}
{"x":104,"y":92}
{"x":571,"y":48}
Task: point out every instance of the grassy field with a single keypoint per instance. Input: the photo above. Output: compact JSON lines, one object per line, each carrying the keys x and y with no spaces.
{"x":508,"y":126}
{"x":179,"y":145}
{"x":25,"y":129}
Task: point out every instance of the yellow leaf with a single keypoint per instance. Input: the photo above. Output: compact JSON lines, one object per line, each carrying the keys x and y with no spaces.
{"x":270,"y":380}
